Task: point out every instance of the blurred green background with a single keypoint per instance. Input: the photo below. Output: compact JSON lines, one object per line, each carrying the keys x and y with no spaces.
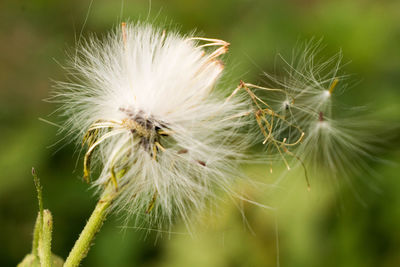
{"x":328,"y":226}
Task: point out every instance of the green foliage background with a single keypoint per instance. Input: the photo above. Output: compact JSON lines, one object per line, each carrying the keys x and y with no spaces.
{"x":328,"y":226}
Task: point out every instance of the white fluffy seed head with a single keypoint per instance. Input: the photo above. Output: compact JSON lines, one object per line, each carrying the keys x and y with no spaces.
{"x":144,"y":100}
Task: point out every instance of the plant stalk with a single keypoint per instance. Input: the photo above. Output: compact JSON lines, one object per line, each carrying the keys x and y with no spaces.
{"x":93,"y":225}
{"x":45,"y":240}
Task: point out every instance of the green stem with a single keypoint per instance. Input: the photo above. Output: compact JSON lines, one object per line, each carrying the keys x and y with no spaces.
{"x":39,"y":220}
{"x":82,"y":245}
{"x":36,"y":236}
{"x":45,"y":241}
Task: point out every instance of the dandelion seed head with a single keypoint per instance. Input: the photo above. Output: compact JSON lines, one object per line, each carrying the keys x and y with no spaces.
{"x":145,"y":103}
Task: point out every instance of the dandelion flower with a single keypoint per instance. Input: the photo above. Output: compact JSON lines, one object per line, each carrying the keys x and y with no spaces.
{"x":144,"y":102}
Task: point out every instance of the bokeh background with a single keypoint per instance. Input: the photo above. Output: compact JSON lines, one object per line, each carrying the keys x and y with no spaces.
{"x":357,"y":225}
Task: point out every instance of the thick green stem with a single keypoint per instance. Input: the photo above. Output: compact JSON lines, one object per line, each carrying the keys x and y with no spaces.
{"x":82,"y":245}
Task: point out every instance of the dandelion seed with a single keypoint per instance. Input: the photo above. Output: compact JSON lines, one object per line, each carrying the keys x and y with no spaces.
{"x":295,"y":117}
{"x":145,"y":105}
{"x":302,"y":102}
